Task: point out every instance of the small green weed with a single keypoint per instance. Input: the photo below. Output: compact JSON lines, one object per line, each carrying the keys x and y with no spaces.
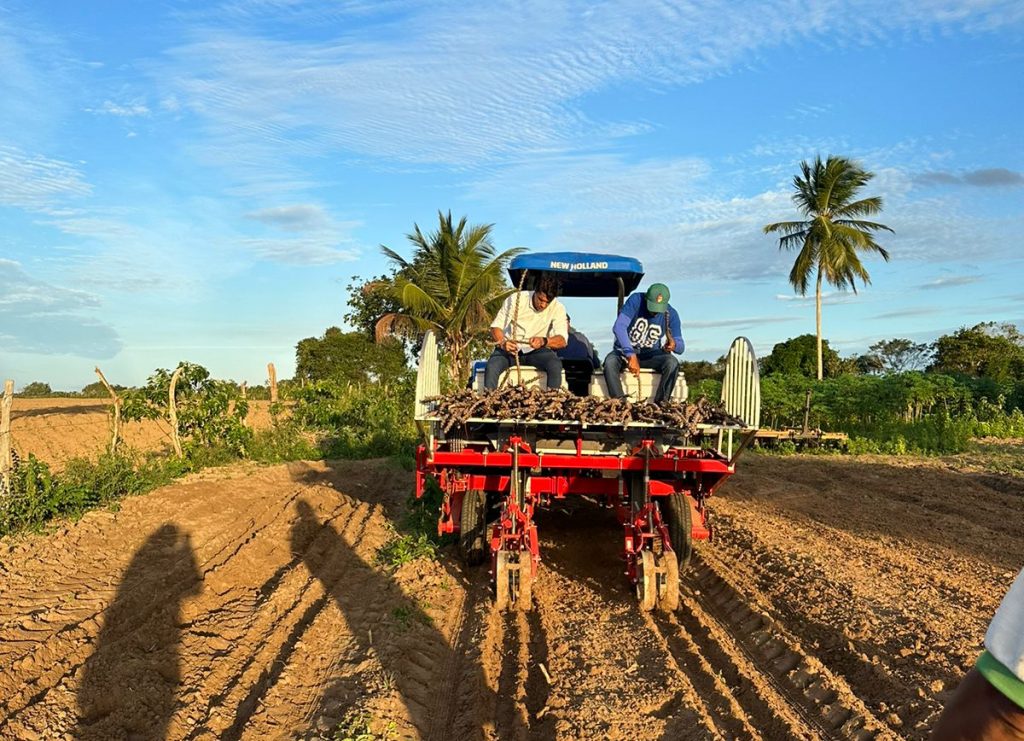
{"x":403,"y":549}
{"x":361,"y":727}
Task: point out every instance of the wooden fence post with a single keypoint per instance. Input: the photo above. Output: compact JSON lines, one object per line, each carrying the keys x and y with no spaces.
{"x":243,"y":388}
{"x":273,"y":382}
{"x":6,"y":461}
{"x":172,"y":411}
{"x":117,"y":411}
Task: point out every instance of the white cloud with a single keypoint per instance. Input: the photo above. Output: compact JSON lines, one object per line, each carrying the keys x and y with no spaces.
{"x":121,"y":110}
{"x":38,"y":317}
{"x":467,"y":85}
{"x":301,"y":217}
{"x":305,"y":251}
{"x":35,"y":182}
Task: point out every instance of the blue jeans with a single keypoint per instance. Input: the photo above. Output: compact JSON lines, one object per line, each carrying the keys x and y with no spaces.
{"x":542,"y":359}
{"x":663,"y":362}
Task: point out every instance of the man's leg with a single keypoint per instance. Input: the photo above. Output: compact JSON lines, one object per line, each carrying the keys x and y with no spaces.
{"x":667,"y":365}
{"x":545,"y":360}
{"x":612,"y":372}
{"x":497,"y":364}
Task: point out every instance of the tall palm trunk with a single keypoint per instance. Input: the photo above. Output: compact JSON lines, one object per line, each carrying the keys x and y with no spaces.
{"x":817,"y":317}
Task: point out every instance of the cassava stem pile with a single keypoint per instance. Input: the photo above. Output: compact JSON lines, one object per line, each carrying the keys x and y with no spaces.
{"x":518,"y":402}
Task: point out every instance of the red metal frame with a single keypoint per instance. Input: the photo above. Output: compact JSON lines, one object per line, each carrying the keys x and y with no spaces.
{"x":692,"y":472}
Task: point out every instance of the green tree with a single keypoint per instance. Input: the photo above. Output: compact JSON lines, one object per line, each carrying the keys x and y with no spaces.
{"x":453,"y":284}
{"x":36,"y":388}
{"x":349,"y":357}
{"x":797,"y":357}
{"x":898,"y":355}
{"x":833,"y":233}
{"x":96,"y":390}
{"x":988,"y":349}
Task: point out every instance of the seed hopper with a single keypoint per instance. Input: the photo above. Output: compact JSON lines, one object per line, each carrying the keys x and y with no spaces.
{"x":495,"y":473}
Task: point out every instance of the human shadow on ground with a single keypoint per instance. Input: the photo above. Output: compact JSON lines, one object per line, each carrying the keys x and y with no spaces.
{"x":448,"y":697}
{"x":130,"y":682}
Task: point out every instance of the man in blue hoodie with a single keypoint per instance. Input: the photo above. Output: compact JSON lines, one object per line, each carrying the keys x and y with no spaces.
{"x":647,"y":333}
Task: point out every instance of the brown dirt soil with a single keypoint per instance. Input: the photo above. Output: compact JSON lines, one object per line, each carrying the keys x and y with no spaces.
{"x":56,"y":430}
{"x":842,"y":598}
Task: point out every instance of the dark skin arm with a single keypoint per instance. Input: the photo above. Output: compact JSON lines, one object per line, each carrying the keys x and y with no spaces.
{"x":498,"y":335}
{"x":977,"y":711}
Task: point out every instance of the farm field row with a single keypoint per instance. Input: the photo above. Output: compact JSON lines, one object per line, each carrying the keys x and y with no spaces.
{"x":841,"y":598}
{"x":56,"y":430}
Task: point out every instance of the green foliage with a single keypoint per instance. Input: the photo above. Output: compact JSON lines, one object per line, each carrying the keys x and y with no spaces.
{"x":362,"y":727}
{"x":799,"y":356}
{"x":990,"y":350}
{"x":211,"y":413}
{"x":897,"y":413}
{"x":361,"y":421}
{"x":36,"y":389}
{"x":897,"y":356}
{"x":39,"y":495}
{"x":709,"y":387}
{"x":350,"y":357}
{"x":453,"y":284}
{"x":833,"y":233}
{"x":403,"y":549}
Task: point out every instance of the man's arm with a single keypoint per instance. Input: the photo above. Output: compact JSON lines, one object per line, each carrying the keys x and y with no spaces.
{"x":501,"y":320}
{"x":676,"y":330}
{"x":621,"y":327}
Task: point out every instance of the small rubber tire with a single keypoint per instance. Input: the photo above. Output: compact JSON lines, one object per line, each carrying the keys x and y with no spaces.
{"x":502,"y":581}
{"x":473,"y":528}
{"x":646,"y":581}
{"x":675,"y":511}
{"x":668,"y":592}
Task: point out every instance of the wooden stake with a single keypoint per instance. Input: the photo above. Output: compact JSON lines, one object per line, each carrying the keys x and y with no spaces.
{"x":273,"y":382}
{"x":117,"y":411}
{"x":243,"y":388}
{"x":172,"y":411}
{"x":6,"y":461}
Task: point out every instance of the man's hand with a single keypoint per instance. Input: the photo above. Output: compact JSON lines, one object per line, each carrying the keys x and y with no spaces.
{"x":670,"y":346}
{"x":538,"y":342}
{"x":634,"y":365}
{"x":510,"y":346}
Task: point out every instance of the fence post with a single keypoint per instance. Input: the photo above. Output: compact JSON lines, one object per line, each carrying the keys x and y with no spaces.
{"x":172,"y":411}
{"x":117,"y":411}
{"x":807,"y":412}
{"x":6,"y":461}
{"x":243,"y":388}
{"x":272,"y":372}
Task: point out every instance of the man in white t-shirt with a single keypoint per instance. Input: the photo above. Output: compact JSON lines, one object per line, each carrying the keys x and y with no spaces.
{"x":989,"y":703}
{"x":532,"y":325}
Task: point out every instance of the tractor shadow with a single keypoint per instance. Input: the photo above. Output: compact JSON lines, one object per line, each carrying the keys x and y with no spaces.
{"x":130,"y":682}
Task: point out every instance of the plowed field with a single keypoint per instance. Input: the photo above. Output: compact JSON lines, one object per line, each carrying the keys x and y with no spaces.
{"x":56,"y":430}
{"x":842,"y":598}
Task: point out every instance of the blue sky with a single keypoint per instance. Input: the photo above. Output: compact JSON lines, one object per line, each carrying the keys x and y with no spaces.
{"x":196,"y":180}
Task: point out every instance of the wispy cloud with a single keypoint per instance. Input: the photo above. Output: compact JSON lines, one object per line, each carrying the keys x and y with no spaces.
{"x":121,"y":110}
{"x":986,"y":178}
{"x":398,"y":89}
{"x":952,"y":282}
{"x":755,"y":321}
{"x":295,"y":218}
{"x":909,"y":312}
{"x":840,"y":297}
{"x":305,"y":251}
{"x":37,"y":183}
{"x":39,"y":317}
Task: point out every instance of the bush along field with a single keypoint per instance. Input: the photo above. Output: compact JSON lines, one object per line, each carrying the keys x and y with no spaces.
{"x":324,"y":419}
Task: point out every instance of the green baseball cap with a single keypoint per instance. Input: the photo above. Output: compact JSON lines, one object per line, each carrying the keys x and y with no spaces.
{"x":657,"y":298}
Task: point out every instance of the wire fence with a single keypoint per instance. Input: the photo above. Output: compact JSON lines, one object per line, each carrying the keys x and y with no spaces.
{"x":57,"y":429}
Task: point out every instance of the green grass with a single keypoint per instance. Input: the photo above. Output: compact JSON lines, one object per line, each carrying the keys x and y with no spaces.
{"x":362,"y":727}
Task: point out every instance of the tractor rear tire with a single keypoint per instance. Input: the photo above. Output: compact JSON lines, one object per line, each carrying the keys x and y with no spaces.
{"x":675,"y":511}
{"x":473,"y":527}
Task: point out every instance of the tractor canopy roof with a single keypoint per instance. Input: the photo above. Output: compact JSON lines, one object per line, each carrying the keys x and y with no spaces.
{"x":589,"y":274}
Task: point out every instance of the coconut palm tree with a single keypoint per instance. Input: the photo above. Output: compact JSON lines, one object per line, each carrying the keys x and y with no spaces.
{"x":453,"y":285}
{"x":833,"y":233}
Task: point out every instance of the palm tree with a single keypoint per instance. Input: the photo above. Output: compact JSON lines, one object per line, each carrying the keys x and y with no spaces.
{"x":453,"y":284}
{"x":833,"y":233}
